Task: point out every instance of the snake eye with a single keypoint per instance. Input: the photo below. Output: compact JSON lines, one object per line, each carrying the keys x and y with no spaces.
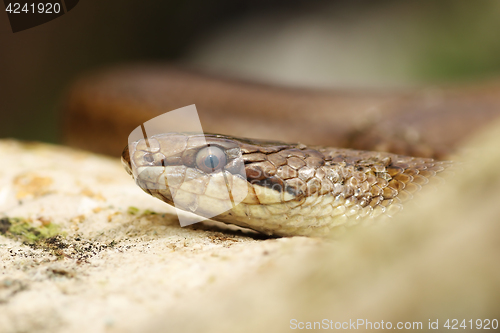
{"x":210,"y":159}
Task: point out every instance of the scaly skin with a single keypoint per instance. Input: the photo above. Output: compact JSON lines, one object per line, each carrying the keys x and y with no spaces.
{"x":289,"y":190}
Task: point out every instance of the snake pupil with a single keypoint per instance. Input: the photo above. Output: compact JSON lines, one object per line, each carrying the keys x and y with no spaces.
{"x":211,"y":161}
{"x":210,"y":158}
{"x":149,"y":158}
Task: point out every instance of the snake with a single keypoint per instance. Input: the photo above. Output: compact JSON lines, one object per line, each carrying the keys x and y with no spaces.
{"x":288,"y":189}
{"x":358,"y":156}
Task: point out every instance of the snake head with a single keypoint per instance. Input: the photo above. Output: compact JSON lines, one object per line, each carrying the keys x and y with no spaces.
{"x":215,"y":176}
{"x":201,"y":174}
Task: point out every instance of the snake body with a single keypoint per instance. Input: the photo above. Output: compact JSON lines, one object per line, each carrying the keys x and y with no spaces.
{"x":289,"y":189}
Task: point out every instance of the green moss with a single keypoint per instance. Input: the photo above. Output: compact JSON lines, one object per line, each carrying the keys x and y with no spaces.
{"x":24,"y":231}
{"x":136,"y":211}
{"x":133,"y":210}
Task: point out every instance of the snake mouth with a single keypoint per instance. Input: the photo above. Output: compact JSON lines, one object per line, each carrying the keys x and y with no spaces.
{"x":206,"y":195}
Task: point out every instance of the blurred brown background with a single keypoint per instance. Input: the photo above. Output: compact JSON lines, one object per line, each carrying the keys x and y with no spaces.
{"x":320,"y":44}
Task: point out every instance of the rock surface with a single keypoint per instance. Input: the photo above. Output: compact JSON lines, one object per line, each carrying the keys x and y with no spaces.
{"x":85,"y":250}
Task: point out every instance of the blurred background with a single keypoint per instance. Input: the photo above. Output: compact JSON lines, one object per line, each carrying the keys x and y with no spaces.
{"x":346,"y":44}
